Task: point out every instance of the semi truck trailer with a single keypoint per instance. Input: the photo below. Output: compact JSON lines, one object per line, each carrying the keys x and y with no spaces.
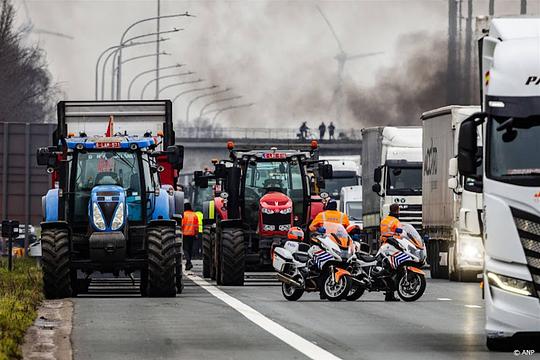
{"x":452,"y":216}
{"x":391,"y":173}
{"x":510,"y":179}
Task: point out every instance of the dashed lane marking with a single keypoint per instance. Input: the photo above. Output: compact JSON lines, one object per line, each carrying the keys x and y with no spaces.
{"x":473,"y":306}
{"x":292,"y":339}
{"x":444,"y":299}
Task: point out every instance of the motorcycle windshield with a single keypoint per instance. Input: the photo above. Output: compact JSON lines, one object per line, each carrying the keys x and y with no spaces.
{"x":338,"y":234}
{"x":412,"y":235}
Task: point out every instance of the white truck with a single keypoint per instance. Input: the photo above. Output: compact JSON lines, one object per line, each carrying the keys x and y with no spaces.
{"x":346,"y":172}
{"x":451,"y":202}
{"x":391,"y":173}
{"x":510,"y":180}
{"x":350,"y":202}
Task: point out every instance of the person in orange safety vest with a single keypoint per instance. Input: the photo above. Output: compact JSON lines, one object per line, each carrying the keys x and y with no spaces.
{"x":190,"y":230}
{"x":330,"y":214}
{"x":390,"y":224}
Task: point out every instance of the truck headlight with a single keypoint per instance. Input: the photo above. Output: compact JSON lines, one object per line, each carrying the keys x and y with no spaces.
{"x":118,"y":219}
{"x":471,"y":249}
{"x":267,"y":211}
{"x":286,"y":211}
{"x":510,"y":284}
{"x":97,"y":218}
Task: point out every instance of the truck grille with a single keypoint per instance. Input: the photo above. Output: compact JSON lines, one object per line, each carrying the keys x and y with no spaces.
{"x":528,"y":227}
{"x":411,"y":214}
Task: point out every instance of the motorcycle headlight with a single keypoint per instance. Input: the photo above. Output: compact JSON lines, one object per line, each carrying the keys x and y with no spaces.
{"x":267,"y":211}
{"x":286,"y":211}
{"x":97,"y":218}
{"x":118,"y":219}
{"x":510,"y":284}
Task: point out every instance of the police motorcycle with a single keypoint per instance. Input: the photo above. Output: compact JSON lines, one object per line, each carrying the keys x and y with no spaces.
{"x":396,"y":266}
{"x":320,"y":265}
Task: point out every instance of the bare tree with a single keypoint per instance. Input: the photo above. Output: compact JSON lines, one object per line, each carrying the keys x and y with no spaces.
{"x":26,"y":90}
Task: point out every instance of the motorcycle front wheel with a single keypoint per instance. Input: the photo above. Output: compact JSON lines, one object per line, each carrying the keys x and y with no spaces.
{"x":290,"y":292}
{"x":411,"y":286}
{"x":338,"y":290}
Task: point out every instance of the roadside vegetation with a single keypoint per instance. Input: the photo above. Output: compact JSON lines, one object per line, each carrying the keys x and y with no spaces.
{"x":20,"y":295}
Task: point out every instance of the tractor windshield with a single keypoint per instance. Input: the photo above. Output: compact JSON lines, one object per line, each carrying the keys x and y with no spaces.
{"x":282,"y":176}
{"x":107,"y":168}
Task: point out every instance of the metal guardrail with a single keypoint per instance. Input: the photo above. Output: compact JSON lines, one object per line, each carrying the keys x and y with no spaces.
{"x":259,"y":133}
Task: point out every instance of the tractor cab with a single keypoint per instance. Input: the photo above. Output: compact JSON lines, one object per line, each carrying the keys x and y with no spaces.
{"x":260,"y":194}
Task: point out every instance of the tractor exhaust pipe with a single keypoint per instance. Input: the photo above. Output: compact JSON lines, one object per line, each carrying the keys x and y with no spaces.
{"x":288,"y":280}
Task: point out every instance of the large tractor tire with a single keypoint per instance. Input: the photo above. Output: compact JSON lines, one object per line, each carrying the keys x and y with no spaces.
{"x":56,"y":264}
{"x":161,"y":261}
{"x":233,"y":257}
{"x":207,"y":252}
{"x":178,"y":272}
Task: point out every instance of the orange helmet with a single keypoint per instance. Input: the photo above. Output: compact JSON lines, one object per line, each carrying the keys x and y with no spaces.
{"x":295,"y":233}
{"x":353,"y":230}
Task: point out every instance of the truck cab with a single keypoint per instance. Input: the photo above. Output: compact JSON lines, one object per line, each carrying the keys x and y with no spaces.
{"x":350,"y":202}
{"x":509,"y":180}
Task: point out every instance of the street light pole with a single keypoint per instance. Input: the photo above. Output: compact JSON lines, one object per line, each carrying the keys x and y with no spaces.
{"x":157,"y":47}
{"x":148,"y":72}
{"x":201,"y":113}
{"x":200,"y":97}
{"x":162,"y":77}
{"x":193,"y":90}
{"x":219,"y":111}
{"x":122,"y":41}
{"x":178,"y":84}
{"x":114,"y":52}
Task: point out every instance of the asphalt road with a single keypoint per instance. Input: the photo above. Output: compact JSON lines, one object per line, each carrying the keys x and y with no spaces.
{"x":446,"y":323}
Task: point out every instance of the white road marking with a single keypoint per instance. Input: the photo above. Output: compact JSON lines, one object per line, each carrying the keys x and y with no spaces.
{"x":444,"y":299}
{"x":473,"y":306}
{"x":292,"y":339}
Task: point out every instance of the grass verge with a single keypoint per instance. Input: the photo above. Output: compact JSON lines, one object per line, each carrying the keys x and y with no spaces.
{"x":20,"y":295}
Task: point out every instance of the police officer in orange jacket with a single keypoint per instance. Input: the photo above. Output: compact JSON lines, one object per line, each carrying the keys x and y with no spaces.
{"x":190,"y":230}
{"x":330,"y":214}
{"x":389,"y":225}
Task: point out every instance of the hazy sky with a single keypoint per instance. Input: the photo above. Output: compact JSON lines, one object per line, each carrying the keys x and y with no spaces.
{"x":278,"y":54}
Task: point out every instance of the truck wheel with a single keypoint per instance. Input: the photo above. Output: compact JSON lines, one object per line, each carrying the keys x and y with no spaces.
{"x":56,"y":264}
{"x":233,"y":257}
{"x":207,"y":252}
{"x":161,"y":261}
{"x":437,"y":270}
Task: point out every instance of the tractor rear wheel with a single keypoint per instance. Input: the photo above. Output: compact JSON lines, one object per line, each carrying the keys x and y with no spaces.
{"x":233,"y":257}
{"x":56,"y":264}
{"x":161,"y":261}
{"x":207,"y":252}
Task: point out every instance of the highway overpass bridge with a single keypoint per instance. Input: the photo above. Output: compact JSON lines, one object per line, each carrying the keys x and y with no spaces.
{"x":203,"y":145}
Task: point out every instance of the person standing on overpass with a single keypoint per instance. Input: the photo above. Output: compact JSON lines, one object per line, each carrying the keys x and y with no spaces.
{"x":190,"y":230}
{"x":322,"y":130}
{"x":331,"y":129}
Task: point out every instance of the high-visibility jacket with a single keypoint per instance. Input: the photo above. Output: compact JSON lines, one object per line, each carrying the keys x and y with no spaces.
{"x":190,"y":223}
{"x":388,"y":227}
{"x":333,"y":216}
{"x":200,"y":218}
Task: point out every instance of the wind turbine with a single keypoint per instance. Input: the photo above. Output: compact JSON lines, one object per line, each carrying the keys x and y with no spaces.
{"x":28,"y":27}
{"x":342,"y":57}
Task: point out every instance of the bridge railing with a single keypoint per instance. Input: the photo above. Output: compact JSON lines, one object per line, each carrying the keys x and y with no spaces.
{"x":259,"y":133}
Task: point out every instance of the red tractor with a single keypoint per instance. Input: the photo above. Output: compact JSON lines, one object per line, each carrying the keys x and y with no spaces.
{"x":259,"y":195}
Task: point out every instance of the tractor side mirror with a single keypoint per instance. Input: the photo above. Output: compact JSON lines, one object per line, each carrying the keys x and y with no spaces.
{"x":467,"y":148}
{"x":326,"y":171}
{"x":377,"y":175}
{"x":220,"y":171}
{"x":175,"y":156}
{"x":376,"y":188}
{"x":200,"y":180}
{"x":45,"y":157}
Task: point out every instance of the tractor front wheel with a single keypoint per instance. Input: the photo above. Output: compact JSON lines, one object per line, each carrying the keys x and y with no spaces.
{"x":233,"y":257}
{"x":56,"y":264}
{"x":161,"y":261}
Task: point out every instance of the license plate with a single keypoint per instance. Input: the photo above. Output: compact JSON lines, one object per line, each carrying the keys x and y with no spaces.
{"x":108,"y":145}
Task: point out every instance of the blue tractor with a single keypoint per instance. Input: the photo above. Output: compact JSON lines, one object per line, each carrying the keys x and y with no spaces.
{"x":113,"y":206}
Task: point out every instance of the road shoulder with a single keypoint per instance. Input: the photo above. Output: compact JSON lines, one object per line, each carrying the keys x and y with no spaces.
{"x":50,"y":335}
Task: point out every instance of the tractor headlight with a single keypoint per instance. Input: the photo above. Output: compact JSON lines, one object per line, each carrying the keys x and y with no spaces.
{"x":267,"y":211}
{"x":97,"y":218}
{"x":118,"y":219}
{"x":286,"y":211}
{"x":516,"y":286}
